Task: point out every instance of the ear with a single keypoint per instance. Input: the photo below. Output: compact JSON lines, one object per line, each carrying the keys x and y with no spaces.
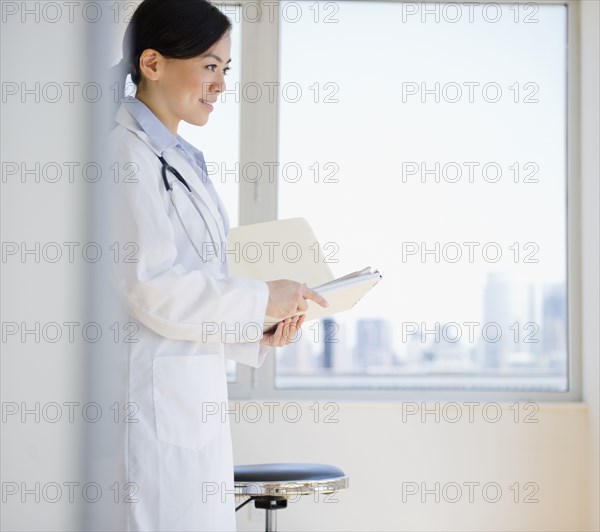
{"x":150,"y":63}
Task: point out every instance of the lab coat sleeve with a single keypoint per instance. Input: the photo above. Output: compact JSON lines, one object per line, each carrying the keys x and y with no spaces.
{"x":249,"y":353}
{"x":173,"y":300}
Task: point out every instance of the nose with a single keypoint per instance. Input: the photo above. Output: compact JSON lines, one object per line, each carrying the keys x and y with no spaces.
{"x":219,"y":85}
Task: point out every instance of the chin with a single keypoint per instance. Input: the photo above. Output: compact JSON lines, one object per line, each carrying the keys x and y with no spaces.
{"x":197,"y":120}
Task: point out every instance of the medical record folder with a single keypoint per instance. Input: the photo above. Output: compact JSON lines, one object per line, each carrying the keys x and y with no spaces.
{"x":288,"y":249}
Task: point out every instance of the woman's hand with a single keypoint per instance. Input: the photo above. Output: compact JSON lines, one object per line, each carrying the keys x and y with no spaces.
{"x":289,"y":297}
{"x":284,"y":333}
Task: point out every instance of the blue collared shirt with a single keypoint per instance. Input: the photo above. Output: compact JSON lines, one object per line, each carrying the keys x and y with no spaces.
{"x":163,"y":139}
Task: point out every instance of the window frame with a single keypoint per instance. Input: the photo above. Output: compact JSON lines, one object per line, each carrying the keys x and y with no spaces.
{"x":258,"y":203}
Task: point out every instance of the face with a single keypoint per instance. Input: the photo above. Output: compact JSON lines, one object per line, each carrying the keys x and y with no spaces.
{"x":187,"y":89}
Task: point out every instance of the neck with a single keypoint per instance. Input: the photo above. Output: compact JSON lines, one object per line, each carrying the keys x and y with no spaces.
{"x":170,"y":122}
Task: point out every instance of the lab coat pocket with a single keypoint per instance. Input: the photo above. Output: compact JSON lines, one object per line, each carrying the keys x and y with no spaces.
{"x":190,"y":393}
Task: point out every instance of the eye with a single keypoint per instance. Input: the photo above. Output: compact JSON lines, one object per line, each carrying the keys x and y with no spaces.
{"x":213,"y":67}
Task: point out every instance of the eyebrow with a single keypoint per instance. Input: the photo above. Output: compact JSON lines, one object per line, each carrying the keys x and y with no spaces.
{"x":217,"y":58}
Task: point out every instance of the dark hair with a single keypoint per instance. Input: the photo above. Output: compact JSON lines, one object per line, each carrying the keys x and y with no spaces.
{"x":178,"y":29}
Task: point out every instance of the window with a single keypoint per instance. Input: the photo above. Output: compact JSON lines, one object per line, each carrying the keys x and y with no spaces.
{"x":429,"y":140}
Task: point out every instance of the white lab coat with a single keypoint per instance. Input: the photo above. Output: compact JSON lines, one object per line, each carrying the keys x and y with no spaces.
{"x":178,"y":454}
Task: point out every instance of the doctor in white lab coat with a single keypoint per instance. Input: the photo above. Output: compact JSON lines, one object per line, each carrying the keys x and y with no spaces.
{"x":189,"y":314}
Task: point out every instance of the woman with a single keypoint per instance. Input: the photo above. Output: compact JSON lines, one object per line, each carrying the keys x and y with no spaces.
{"x":190,"y":314}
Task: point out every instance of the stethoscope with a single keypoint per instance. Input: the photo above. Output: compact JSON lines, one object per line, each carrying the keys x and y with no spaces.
{"x":216,"y":244}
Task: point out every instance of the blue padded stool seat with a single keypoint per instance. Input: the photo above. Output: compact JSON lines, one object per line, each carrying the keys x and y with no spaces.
{"x":270,"y":485}
{"x":286,"y":472}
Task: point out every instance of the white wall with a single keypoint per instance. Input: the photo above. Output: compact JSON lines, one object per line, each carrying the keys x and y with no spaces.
{"x":380,"y":452}
{"x":34,"y":290}
{"x":48,"y":127}
{"x":590,"y":172}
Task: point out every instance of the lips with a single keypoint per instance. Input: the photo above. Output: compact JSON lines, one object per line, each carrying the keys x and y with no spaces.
{"x":208,"y":103}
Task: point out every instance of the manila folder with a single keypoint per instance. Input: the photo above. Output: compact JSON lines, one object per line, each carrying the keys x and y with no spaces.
{"x":288,"y":249}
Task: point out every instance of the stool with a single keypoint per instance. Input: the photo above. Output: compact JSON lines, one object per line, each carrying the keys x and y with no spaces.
{"x":270,"y":485}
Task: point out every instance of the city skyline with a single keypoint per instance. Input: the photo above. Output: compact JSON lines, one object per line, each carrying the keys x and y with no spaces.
{"x":533,"y":329}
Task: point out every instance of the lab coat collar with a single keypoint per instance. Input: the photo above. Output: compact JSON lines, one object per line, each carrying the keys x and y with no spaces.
{"x":218,"y":212}
{"x":126,"y":119}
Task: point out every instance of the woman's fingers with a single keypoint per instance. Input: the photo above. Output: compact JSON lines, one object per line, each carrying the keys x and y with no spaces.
{"x":279,"y":334}
{"x":287,"y":297}
{"x":309,"y":293}
{"x":285,"y":332}
{"x":290,"y":330}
